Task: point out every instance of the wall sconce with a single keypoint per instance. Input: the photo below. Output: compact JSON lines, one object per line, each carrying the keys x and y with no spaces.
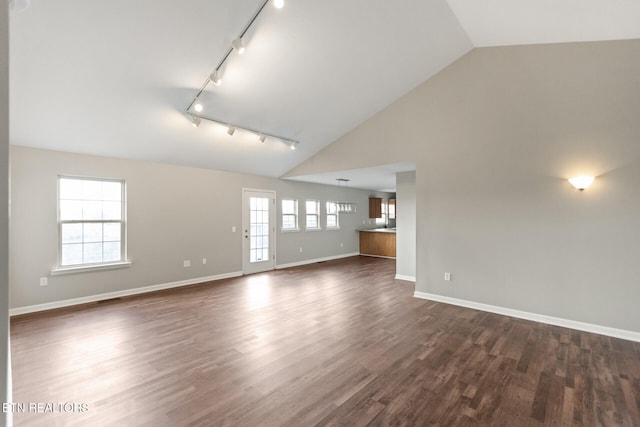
{"x":581,"y":182}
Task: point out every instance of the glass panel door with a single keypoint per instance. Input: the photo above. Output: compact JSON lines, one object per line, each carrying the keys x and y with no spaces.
{"x":259,"y":231}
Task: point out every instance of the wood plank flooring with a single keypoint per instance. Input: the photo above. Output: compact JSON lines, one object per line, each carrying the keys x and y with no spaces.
{"x":335,"y":343}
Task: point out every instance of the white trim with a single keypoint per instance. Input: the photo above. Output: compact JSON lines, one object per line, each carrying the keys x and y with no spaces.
{"x":407,"y":278}
{"x":313,"y":261}
{"x":289,"y":230}
{"x":565,"y":323}
{"x":119,"y":294}
{"x":88,"y":268}
{"x":378,"y":256}
{"x":9,"y":393}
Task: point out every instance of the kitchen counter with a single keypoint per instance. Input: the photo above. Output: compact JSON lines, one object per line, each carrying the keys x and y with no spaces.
{"x":380,"y":242}
{"x":378,"y":230}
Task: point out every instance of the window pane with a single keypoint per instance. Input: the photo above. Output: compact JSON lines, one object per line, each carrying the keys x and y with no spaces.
{"x":70,"y":189}
{"x":288,"y":207}
{"x":92,"y":232}
{"x":91,"y":210}
{"x":289,"y":221}
{"x":112,"y":191}
{"x":71,"y":254}
{"x":111,"y":251}
{"x":312,"y":221}
{"x":312,"y":207}
{"x":71,"y":233}
{"x":112,"y":232}
{"x":331,"y":221}
{"x":92,"y":252}
{"x":70,"y":210}
{"x":91,"y":190}
{"x":111,"y":210}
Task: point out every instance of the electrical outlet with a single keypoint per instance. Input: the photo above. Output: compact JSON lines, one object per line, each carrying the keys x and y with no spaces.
{"x":300,"y":250}
{"x":204,"y":260}
{"x":187,"y":263}
{"x":447,"y":276}
{"x":44,"y":281}
{"x":233,"y":229}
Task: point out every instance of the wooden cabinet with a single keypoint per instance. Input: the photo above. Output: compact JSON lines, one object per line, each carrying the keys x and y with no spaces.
{"x":378,"y":244}
{"x":375,"y":207}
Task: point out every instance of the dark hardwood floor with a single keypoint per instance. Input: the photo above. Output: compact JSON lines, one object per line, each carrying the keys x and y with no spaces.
{"x":336,"y":343}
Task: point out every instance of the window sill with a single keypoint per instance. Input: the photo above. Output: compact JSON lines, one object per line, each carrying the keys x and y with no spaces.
{"x":313,"y":229}
{"x":88,"y":268}
{"x":290,"y":230}
{"x":333,"y":228}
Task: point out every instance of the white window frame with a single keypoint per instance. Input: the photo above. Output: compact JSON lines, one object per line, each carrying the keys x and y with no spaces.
{"x":294,"y":214}
{"x":307,"y":215}
{"x":335,"y":213}
{"x":383,"y":219}
{"x":122,"y":262}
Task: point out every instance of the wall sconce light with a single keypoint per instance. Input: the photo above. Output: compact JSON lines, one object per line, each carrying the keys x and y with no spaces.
{"x":581,"y":182}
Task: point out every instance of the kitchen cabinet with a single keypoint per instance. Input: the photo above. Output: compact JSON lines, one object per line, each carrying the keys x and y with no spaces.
{"x":375,"y":207}
{"x":381,"y":243}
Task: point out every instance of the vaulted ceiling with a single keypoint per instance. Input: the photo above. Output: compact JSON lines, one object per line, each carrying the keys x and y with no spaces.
{"x":114,"y":78}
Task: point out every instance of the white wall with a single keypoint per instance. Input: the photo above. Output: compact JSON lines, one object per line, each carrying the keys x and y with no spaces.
{"x":406,"y":225}
{"x":496,"y":135}
{"x":5,"y":368}
{"x":175,"y":213}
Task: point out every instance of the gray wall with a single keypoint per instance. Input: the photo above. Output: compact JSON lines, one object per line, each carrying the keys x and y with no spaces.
{"x":175,"y":213}
{"x":5,"y":369}
{"x":495,"y":136}
{"x":406,"y":224}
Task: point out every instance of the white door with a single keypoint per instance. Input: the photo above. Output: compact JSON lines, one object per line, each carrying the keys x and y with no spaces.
{"x":259,"y":230}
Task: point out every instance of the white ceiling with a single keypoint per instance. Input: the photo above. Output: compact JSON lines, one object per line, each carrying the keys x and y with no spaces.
{"x":377,"y":178}
{"x":114,"y":78}
{"x":514,"y":22}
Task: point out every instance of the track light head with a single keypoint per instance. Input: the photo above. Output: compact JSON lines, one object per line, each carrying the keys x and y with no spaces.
{"x":292,"y":145}
{"x":197,"y":105}
{"x":195,"y":121}
{"x":216,"y":77}
{"x":231,"y":130}
{"x":238,"y":46}
{"x":278,"y":4}
{"x":262,"y":137}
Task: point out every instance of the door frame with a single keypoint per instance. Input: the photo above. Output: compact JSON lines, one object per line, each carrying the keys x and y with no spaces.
{"x":273,"y":217}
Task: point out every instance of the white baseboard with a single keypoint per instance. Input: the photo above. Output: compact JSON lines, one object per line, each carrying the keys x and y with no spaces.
{"x":118,"y":294}
{"x":407,"y":278}
{"x":378,"y":256}
{"x":313,"y":261}
{"x":565,"y":323}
